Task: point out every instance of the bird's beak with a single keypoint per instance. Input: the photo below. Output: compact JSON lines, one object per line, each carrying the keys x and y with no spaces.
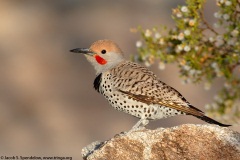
{"x":83,"y":51}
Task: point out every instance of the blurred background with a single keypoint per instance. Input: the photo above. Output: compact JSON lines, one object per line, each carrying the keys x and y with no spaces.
{"x":47,"y":102}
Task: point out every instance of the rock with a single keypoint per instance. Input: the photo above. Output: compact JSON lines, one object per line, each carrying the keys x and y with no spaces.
{"x":187,"y":141}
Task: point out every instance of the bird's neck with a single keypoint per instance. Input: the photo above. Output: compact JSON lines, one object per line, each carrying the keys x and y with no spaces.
{"x":108,"y":66}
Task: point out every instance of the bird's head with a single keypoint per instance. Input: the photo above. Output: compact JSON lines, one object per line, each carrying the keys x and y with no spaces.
{"x":102,"y":54}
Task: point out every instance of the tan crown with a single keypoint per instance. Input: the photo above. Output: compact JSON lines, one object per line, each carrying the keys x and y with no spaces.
{"x":105,"y":44}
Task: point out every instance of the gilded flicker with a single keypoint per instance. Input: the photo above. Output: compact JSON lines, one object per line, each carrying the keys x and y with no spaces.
{"x":134,"y":89}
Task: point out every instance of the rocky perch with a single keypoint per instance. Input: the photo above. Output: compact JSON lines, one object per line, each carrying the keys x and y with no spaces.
{"x":187,"y":141}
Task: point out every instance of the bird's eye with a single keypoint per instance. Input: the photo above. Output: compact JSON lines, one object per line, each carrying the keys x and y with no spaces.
{"x":103,"y":51}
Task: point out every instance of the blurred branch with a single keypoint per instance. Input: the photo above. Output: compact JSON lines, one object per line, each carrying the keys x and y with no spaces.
{"x":205,"y":22}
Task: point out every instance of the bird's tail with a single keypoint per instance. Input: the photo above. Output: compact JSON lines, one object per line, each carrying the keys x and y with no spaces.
{"x":212,"y":121}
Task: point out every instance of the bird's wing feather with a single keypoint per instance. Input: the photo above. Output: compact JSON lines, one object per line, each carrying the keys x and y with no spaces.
{"x":139,"y":83}
{"x":173,"y":105}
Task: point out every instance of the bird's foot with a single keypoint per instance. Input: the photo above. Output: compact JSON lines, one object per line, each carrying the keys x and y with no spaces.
{"x":140,"y":125}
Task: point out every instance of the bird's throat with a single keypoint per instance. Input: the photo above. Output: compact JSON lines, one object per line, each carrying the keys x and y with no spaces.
{"x":100,"y":60}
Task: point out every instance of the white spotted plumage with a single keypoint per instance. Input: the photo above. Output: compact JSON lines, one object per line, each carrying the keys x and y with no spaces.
{"x":131,"y":77}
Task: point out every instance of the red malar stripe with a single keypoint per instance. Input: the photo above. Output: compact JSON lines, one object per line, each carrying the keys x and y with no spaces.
{"x":100,"y":60}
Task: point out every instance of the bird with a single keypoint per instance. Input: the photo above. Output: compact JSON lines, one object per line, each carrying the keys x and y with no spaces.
{"x":134,"y":89}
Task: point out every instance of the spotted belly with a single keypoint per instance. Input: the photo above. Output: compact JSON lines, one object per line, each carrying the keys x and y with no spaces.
{"x":141,"y":110}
